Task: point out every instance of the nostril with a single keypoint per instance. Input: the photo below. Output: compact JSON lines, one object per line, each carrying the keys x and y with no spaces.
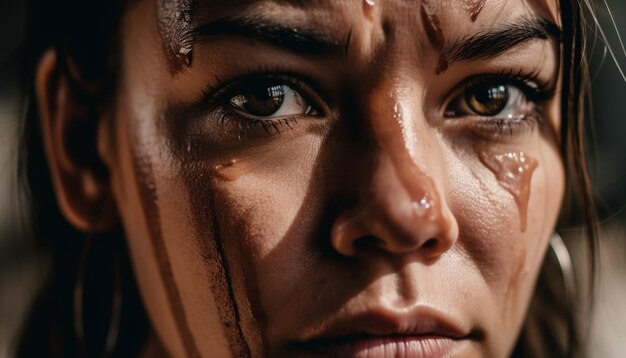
{"x":429,"y":245}
{"x":366,"y":242}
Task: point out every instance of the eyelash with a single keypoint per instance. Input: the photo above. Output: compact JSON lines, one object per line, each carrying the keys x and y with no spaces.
{"x":529,"y":83}
{"x":270,"y":126}
{"x":219,"y":94}
{"x":533,"y":87}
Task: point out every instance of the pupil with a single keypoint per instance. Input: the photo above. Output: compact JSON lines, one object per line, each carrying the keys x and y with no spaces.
{"x":488,"y":100}
{"x":491,"y":94}
{"x":265,"y":100}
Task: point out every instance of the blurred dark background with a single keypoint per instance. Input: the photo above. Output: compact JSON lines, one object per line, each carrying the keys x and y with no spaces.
{"x":23,"y":265}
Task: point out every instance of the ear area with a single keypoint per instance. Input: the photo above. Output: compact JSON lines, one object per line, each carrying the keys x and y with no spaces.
{"x":70,"y":125}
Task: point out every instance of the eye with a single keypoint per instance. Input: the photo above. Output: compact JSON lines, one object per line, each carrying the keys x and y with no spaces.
{"x":487,"y":100}
{"x":270,"y":100}
{"x":490,"y":99}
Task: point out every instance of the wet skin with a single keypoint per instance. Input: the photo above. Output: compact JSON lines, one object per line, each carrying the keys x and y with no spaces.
{"x":375,"y":196}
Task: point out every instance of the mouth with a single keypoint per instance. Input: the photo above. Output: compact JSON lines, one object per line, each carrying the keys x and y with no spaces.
{"x":363,"y":345}
{"x":421,"y":333}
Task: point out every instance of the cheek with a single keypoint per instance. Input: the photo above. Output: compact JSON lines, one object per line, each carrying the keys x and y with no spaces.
{"x":504,"y":254}
{"x":173,"y":272}
{"x":234,"y":217}
{"x":261,"y":199}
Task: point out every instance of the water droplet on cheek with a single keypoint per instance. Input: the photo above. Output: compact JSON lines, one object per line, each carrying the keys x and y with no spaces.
{"x":514,"y":172}
{"x":229,"y":170}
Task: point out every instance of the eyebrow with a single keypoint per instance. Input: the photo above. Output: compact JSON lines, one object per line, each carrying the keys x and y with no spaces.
{"x":308,"y":41}
{"x":490,"y":44}
{"x":302,"y":40}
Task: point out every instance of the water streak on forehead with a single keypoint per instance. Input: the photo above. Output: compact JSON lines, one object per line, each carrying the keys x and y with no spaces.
{"x":174,"y":19}
{"x":434,"y":32}
{"x":432,"y":25}
{"x":474,"y":8}
{"x":431,"y":11}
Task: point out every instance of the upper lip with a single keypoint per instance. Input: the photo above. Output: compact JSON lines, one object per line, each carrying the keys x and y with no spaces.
{"x":422,"y":321}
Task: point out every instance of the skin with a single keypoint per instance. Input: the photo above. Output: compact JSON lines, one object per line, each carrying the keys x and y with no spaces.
{"x":246,"y":245}
{"x":173,"y":23}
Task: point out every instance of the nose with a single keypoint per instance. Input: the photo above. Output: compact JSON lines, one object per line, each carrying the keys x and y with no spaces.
{"x":401,"y":210}
{"x":396,"y":219}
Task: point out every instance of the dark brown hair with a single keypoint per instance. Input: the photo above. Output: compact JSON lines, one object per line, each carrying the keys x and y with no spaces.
{"x":89,"y":304}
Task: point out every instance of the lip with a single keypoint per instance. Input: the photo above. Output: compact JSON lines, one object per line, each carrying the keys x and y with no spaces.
{"x":422,"y":333}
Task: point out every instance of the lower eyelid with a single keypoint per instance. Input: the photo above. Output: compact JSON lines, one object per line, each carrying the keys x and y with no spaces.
{"x":511,"y":126}
{"x":528,"y":85}
{"x":241,"y":126}
{"x":494,"y":128}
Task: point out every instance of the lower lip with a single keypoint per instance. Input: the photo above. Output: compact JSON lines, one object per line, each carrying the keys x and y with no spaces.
{"x":397,"y":347}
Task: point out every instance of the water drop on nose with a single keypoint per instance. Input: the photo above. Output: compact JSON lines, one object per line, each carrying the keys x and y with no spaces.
{"x":422,"y":206}
{"x":370,"y":2}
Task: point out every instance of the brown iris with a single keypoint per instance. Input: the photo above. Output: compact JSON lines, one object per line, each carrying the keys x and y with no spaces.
{"x":261,"y":101}
{"x":487,"y":100}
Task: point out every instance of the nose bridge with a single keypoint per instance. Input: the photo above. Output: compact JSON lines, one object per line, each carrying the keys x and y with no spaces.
{"x":403,"y":207}
{"x":394,"y":127}
{"x":400,"y":129}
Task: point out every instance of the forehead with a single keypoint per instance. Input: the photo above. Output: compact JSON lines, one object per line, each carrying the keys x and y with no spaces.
{"x":455,"y":17}
{"x":452,"y":12}
{"x":437,"y":22}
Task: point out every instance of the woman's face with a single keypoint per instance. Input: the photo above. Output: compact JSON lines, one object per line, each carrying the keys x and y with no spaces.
{"x":338,"y":178}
